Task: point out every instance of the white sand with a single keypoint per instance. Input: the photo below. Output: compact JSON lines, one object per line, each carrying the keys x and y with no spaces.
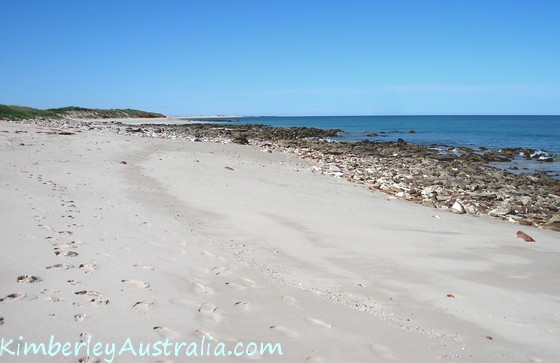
{"x":266,"y":252}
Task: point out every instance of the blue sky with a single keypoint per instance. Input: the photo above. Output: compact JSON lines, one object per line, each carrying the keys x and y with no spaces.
{"x":284,"y":57}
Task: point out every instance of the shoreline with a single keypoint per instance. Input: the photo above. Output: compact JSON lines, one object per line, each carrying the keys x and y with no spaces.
{"x":148,"y":238}
{"x":465,"y":185}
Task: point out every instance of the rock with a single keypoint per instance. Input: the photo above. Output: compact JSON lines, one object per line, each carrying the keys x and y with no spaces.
{"x":334,"y":169}
{"x":444,"y":157}
{"x":240,"y":140}
{"x":499,"y":212}
{"x":471,"y":209}
{"x":372,"y":134}
{"x":429,"y":191}
{"x":524,"y":236}
{"x":458,"y":207}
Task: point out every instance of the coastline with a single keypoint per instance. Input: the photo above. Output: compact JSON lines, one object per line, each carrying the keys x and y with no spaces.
{"x":467,"y":184}
{"x":189,"y":239}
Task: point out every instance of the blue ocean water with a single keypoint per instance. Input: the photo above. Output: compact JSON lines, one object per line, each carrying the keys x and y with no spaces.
{"x":493,"y":132}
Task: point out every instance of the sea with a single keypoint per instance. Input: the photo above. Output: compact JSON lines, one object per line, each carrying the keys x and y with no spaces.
{"x":541,"y":133}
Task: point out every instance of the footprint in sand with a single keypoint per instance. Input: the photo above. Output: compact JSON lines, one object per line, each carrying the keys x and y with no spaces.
{"x":284,"y":331}
{"x":241,"y":305}
{"x":60,"y":266}
{"x":84,"y":337}
{"x":28,"y":279}
{"x":66,"y":233}
{"x":13,"y":297}
{"x":288,"y":300}
{"x":96,"y":297}
{"x":1,"y":320}
{"x":63,"y":245}
{"x":313,"y":359}
{"x":79,"y":317}
{"x":252,"y":284}
{"x":88,"y":267}
{"x":201,"y":287}
{"x":145,"y":266}
{"x":235,"y":286}
{"x":208,"y":254}
{"x":209,"y":309}
{"x":88,"y":293}
{"x":65,"y":253}
{"x":137,"y":283}
{"x":49,"y":291}
{"x":142,"y":306}
{"x":165,"y":332}
{"x":222,"y":271}
{"x":199,"y":333}
{"x":88,"y":359}
{"x":99,"y":301}
{"x":54,"y":299}
{"x":73,"y":282}
{"x":383,"y":351}
{"x":318,"y":322}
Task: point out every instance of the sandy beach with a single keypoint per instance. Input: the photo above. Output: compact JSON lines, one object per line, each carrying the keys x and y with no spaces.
{"x":111,"y":237}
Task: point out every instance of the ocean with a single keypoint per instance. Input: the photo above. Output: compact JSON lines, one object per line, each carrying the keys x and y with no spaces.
{"x":541,"y":133}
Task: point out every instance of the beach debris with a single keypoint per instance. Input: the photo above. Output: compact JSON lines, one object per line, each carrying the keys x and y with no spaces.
{"x":489,"y":337}
{"x":450,"y":295}
{"x":65,"y":133}
{"x":524,"y":236}
{"x":123,"y":162}
{"x":228,"y":168}
{"x":28,"y":279}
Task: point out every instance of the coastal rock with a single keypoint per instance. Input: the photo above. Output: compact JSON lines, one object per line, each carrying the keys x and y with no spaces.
{"x":429,"y":191}
{"x":458,"y":207}
{"x":334,"y":169}
{"x":240,"y":140}
{"x":499,"y":212}
{"x":524,"y":236}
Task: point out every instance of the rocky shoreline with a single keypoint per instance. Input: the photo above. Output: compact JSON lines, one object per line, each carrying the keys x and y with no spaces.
{"x":460,"y":182}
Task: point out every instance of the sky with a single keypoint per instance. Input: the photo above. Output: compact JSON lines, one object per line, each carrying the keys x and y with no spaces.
{"x":283,"y":57}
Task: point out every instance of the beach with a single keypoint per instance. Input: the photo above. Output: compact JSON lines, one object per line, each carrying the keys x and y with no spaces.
{"x":111,"y":236}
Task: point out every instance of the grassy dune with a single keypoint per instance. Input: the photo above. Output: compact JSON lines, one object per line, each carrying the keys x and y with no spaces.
{"x":23,"y":113}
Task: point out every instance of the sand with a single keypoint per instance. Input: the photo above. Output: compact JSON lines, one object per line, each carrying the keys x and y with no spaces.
{"x":151,"y":239}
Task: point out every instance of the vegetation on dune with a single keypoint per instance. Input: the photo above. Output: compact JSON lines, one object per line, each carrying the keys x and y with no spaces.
{"x":24,"y":113}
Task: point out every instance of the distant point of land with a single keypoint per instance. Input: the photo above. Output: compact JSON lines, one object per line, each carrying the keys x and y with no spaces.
{"x":15,"y":113}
